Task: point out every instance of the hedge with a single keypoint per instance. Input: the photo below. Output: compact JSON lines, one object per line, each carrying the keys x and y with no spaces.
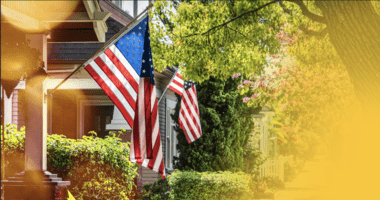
{"x":97,"y":168}
{"x":201,"y":185}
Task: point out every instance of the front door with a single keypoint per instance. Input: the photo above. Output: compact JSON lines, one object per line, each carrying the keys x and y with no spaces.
{"x":96,"y":118}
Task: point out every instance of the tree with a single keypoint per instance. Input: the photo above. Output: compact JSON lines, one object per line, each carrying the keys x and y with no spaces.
{"x":226,"y":37}
{"x":226,"y":126}
{"x":222,"y":38}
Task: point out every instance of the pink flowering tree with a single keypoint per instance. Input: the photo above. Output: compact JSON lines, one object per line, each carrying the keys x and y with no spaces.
{"x":309,"y":91}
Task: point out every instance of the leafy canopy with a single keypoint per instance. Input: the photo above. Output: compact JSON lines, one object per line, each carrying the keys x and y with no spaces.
{"x":240,"y":46}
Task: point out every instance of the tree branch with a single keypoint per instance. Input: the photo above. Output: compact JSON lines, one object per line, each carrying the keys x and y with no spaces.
{"x":236,"y":31}
{"x":321,"y":33}
{"x":307,"y":12}
{"x":235,"y":18}
{"x":286,"y":10}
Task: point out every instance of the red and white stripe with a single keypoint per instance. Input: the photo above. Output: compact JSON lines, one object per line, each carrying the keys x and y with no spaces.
{"x":189,"y":118}
{"x":177,"y":84}
{"x":118,"y":79}
{"x":147,"y":128}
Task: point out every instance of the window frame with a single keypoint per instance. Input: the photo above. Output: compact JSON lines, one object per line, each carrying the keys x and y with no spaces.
{"x":171,"y":141}
{"x":93,"y":100}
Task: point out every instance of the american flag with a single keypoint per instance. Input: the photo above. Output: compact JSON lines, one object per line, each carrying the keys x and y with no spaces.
{"x":125,"y":72}
{"x":177,"y":83}
{"x":189,"y":118}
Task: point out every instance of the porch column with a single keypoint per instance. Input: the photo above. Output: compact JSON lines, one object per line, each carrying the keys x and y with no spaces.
{"x":35,"y":137}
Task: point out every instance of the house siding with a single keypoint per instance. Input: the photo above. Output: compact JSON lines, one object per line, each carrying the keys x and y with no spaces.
{"x":81,"y":51}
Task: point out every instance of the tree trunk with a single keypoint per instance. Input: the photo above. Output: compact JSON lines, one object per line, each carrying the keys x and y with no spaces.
{"x":354,"y":30}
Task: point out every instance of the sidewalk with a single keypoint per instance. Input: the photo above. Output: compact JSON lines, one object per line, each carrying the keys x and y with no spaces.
{"x":310,"y":184}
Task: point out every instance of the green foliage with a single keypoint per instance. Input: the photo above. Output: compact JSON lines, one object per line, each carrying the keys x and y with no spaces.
{"x":97,"y":168}
{"x":226,"y":126}
{"x":158,"y":190}
{"x":201,"y":185}
{"x":210,"y":185}
{"x":14,"y":148}
{"x":240,"y":46}
{"x":292,"y":168}
{"x":274,"y":182}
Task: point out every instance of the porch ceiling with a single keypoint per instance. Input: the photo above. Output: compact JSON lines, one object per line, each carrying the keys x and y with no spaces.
{"x":67,"y":21}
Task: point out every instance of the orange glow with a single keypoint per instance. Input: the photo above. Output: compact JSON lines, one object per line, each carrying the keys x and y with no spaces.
{"x":36,"y":16}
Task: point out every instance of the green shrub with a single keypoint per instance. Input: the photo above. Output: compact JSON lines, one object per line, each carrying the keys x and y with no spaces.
{"x":13,"y":149}
{"x":289,"y":171}
{"x":97,"y":168}
{"x":274,"y":182}
{"x":292,"y":168}
{"x":201,"y":185}
{"x":159,"y":190}
{"x":267,"y":184}
{"x":210,"y":185}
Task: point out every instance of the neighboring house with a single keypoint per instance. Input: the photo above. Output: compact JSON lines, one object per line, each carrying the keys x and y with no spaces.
{"x":267,"y":142}
{"x":79,"y":105}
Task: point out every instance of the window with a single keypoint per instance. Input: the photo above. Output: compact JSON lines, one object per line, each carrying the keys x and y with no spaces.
{"x":130,"y":6}
{"x":94,"y":113}
{"x":171,"y":135}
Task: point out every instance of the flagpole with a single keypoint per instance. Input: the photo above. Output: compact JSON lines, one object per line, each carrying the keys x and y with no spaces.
{"x":168,"y":85}
{"x":106,"y":45}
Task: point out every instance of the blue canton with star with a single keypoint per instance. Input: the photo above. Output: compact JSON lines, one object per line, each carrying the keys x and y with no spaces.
{"x":188,"y":84}
{"x":135,"y":46}
{"x":147,"y":60}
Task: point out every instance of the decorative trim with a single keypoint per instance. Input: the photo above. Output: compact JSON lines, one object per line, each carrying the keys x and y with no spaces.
{"x":74,"y":61}
{"x":72,"y":84}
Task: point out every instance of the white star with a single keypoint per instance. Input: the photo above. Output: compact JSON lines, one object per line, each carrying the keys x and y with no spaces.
{"x":133,"y":39}
{"x":139,"y":47}
{"x":133,"y":52}
{"x":133,"y":58}
{"x":121,"y":43}
{"x":150,"y":59}
{"x":133,"y":45}
{"x":143,"y":71}
{"x":133,"y":33}
{"x":139,"y":40}
{"x":127,"y":38}
{"x":139,"y":34}
{"x":127,"y":50}
{"x":145,"y":22}
{"x":143,"y":61}
{"x":139,"y":27}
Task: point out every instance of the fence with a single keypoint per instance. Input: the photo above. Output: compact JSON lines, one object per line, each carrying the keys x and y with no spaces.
{"x":274,"y":167}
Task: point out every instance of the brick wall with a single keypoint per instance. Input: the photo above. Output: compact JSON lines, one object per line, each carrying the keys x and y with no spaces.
{"x":18,"y":108}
